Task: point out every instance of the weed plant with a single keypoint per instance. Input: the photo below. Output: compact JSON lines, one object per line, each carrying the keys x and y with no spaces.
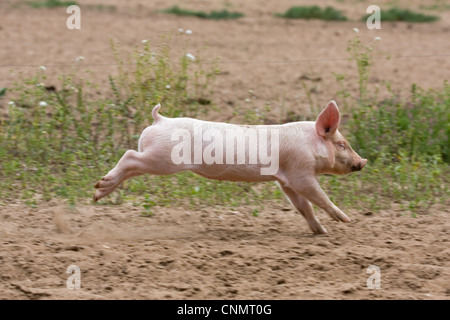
{"x":213,"y":15}
{"x":313,"y":12}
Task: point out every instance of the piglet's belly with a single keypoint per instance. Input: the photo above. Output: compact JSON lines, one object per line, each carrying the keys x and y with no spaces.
{"x":235,"y":172}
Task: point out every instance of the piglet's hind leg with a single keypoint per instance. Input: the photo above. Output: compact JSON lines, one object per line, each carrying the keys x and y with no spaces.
{"x":132,"y":164}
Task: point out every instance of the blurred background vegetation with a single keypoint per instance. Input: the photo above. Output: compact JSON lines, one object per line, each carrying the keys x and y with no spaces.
{"x":59,"y":142}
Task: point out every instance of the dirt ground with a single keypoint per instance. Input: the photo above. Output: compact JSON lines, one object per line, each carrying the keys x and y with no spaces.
{"x":259,"y":52}
{"x":215,"y":252}
{"x":218,"y":253}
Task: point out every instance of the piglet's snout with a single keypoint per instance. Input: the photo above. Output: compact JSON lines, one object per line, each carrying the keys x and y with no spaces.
{"x":359,"y":165}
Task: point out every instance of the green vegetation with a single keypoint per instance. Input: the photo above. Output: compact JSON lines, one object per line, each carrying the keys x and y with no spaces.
{"x":313,"y":12}
{"x":213,"y":15}
{"x":58,"y":143}
{"x":59,"y":3}
{"x":405,"y":140}
{"x":415,"y":128}
{"x":397,"y":14}
{"x":407,"y":144}
{"x":51,"y":3}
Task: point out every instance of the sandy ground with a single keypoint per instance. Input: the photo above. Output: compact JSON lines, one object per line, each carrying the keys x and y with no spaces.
{"x":214,"y":252}
{"x":259,"y":52}
{"x":218,"y":253}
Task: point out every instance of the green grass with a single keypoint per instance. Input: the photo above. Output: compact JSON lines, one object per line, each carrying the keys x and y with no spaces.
{"x":406,"y":15}
{"x":60,"y":148}
{"x":51,"y":3}
{"x":418,"y":127}
{"x":213,"y":15}
{"x":415,"y":128}
{"x":414,"y":185}
{"x":405,"y":139}
{"x":313,"y":12}
{"x":407,"y":144}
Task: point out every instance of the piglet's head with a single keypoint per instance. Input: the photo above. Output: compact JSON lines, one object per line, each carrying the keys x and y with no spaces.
{"x":342,"y":158}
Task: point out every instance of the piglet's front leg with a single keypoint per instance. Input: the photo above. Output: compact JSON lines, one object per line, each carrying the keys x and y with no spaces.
{"x":309,"y":188}
{"x":305,"y":208}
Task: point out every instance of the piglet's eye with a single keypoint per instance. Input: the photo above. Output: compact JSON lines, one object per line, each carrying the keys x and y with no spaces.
{"x":341,"y":145}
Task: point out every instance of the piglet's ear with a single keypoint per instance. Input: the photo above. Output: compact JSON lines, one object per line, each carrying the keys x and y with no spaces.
{"x":328,"y":120}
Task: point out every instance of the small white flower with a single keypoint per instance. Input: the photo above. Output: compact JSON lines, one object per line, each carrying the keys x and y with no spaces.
{"x":188,"y":31}
{"x":356,"y":30}
{"x":197,"y":189}
{"x":377,"y":38}
{"x":11,"y":103}
{"x":247,"y":100}
{"x":190,"y":56}
{"x":167,"y":86}
{"x":180,"y":30}
{"x":42,"y":104}
{"x":144,"y":41}
{"x":42,"y":68}
{"x":80,"y":58}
